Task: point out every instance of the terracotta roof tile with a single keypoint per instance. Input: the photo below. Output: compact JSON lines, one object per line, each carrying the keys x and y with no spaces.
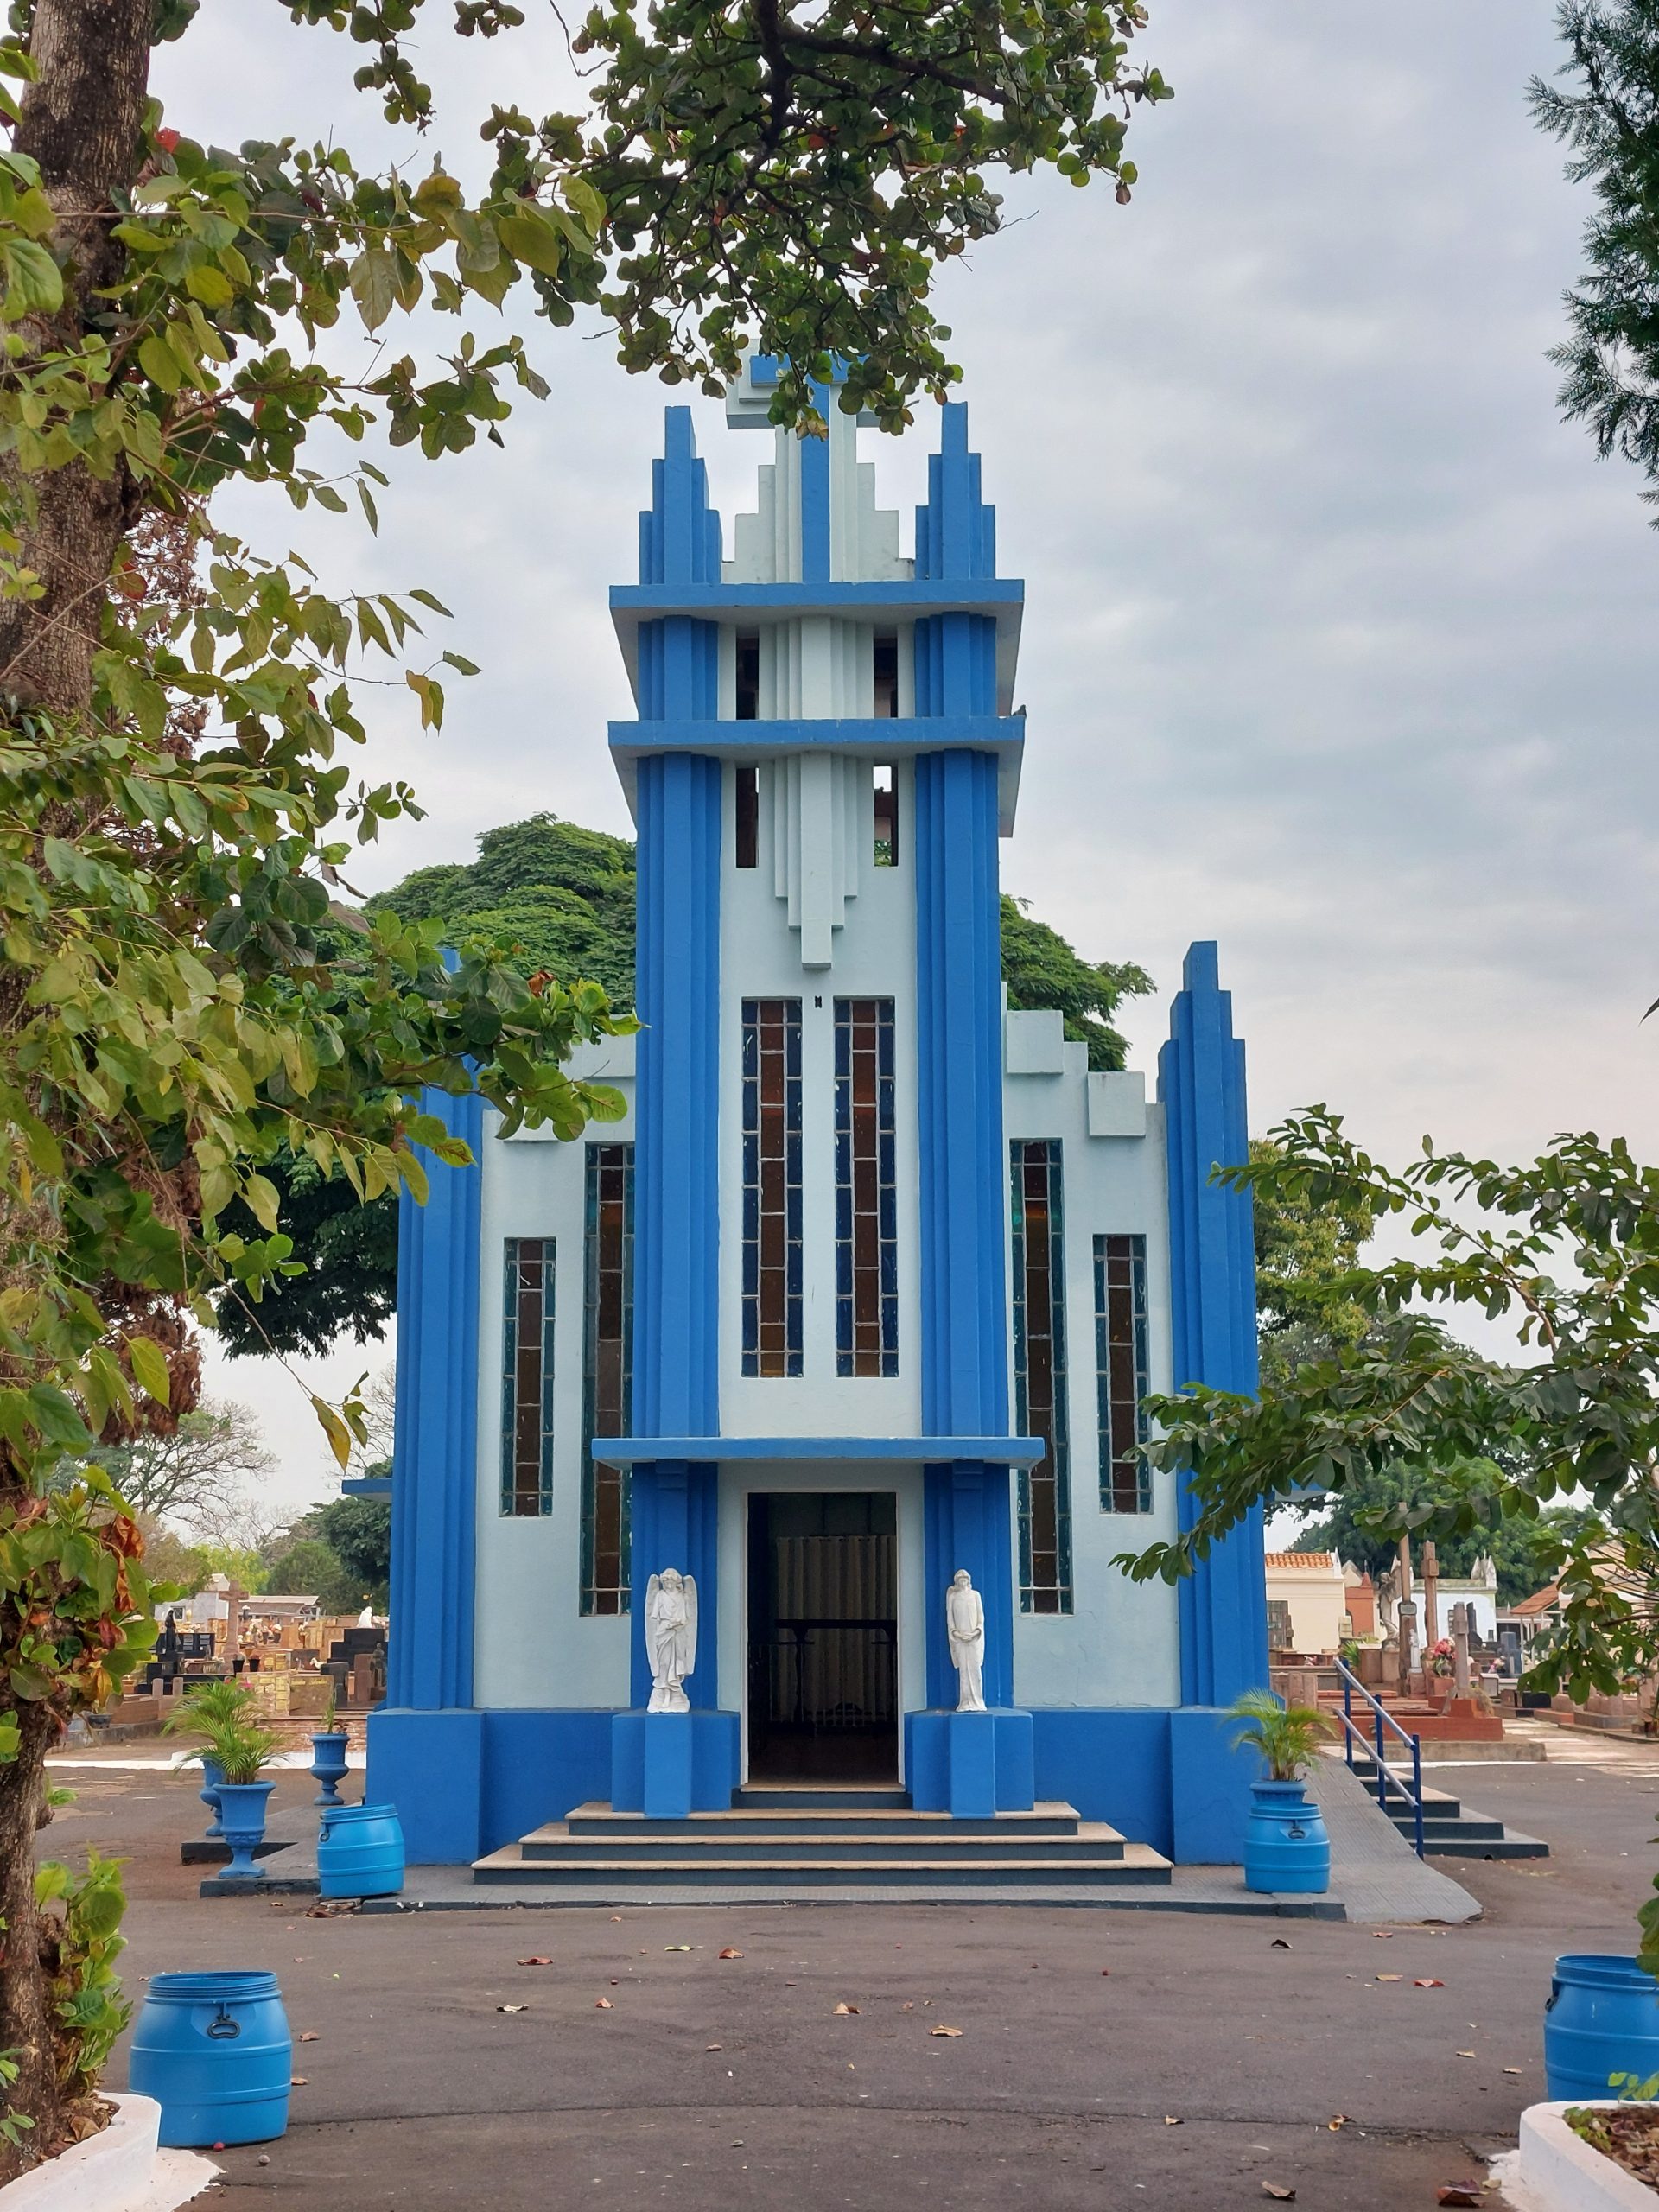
{"x":1325,"y":1560}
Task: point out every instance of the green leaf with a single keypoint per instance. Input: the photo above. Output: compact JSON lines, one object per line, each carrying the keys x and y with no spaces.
{"x":34,"y":279}
{"x":160,"y":363}
{"x":209,"y":285}
{"x":532,"y":238}
{"x":151,"y":1369}
{"x":374,"y":285}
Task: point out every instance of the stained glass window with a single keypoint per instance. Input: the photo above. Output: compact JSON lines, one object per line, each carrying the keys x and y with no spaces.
{"x":1121,"y":1365}
{"x":608,"y":1375}
{"x":527,"y":1377}
{"x":1039,"y":1373}
{"x":867,"y":1239}
{"x":771,"y":1186}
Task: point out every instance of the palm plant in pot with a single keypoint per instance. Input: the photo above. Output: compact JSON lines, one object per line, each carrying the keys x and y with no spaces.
{"x":201,"y":1709}
{"x":328,"y":1754}
{"x":242,"y":1751}
{"x":1286,"y":1846}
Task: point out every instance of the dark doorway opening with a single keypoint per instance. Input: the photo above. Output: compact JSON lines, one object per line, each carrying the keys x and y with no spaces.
{"x":824,"y":1636}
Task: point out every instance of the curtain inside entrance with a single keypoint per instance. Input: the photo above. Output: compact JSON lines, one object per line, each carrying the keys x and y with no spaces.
{"x":834,"y":1664}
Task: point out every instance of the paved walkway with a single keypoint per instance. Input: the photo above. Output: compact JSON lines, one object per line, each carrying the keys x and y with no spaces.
{"x":1373,"y":1870}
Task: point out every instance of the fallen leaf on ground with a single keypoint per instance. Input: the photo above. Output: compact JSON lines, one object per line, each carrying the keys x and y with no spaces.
{"x":1511,"y":2069}
{"x":309,"y":2035}
{"x":729,"y":1953}
{"x":1384,"y":1935}
{"x":944,"y":2031}
{"x":1430,"y":1984}
{"x":714,"y":2046}
{"x":1105,"y":1969}
{"x":1466,"y":2054}
{"x":677,"y":1946}
{"x":512,"y":2008}
{"x":298,"y":2081}
{"x":846,"y":2008}
{"x":1457,"y":2192}
{"x":603,"y":2005}
{"x":1278,"y":1944}
{"x":907,"y":2006}
{"x":536,"y":1962}
{"x":1390,"y":1977}
{"x":1170,"y":2120}
{"x":1280,"y":2195}
{"x":1338,"y":2119}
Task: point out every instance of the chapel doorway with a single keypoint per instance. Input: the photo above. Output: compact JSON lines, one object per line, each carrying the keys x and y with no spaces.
{"x":824,"y":1636}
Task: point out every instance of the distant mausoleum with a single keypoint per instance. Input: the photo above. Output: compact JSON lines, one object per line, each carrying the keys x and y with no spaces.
{"x":865,"y":1289}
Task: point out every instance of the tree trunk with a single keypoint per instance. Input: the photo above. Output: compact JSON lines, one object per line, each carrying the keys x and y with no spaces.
{"x":25,"y":2024}
{"x":81,"y":121}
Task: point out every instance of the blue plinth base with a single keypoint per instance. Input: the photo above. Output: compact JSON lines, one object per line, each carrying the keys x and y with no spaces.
{"x":971,"y":1763}
{"x":668,"y":1764}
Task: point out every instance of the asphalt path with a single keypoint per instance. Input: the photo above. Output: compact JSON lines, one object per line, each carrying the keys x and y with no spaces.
{"x":1104,"y":2059}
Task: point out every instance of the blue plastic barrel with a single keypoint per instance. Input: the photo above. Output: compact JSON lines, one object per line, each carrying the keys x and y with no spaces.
{"x":360,"y":1852}
{"x":215,"y":2051}
{"x":1602,"y":2018}
{"x":1287,"y":1846}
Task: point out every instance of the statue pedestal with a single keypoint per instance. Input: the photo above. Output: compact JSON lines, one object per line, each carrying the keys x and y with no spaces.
{"x":668,"y":1764}
{"x":970,"y":1764}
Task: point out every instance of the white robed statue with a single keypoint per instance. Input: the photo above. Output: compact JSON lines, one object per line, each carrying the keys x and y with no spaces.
{"x":671,"y":1638}
{"x":964,"y":1621}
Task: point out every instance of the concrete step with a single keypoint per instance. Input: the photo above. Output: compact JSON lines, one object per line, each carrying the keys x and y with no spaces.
{"x":821,"y":1797}
{"x":599,"y":1821}
{"x":1136,"y":1865}
{"x":554,"y":1844}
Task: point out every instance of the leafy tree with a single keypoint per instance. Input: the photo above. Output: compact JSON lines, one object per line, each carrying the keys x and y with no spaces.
{"x":176,"y":806}
{"x":1357,"y":1527}
{"x":1567,"y":1247}
{"x":313,"y":1568}
{"x":560,"y":896}
{"x":1608,"y":115}
{"x":1305,"y":1248}
{"x":1041,"y":969}
{"x":358,"y":1532}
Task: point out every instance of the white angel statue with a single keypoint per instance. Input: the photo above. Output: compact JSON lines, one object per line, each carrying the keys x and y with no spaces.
{"x":671,"y":1638}
{"x":964,"y":1621}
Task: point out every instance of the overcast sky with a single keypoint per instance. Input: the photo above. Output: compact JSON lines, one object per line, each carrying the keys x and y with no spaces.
{"x":1339,"y":646}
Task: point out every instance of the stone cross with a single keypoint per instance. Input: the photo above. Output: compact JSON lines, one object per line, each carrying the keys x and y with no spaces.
{"x":1461,"y":1623}
{"x":1431,"y":1595}
{"x":233,"y":1596}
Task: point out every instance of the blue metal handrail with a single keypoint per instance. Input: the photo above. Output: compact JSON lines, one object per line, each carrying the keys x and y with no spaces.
{"x":1382,"y":1718}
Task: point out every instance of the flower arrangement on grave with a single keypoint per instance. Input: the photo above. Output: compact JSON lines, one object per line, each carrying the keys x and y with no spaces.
{"x":1439,"y":1657}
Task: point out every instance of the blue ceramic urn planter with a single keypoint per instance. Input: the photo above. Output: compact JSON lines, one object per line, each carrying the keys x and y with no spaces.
{"x":328,"y":1764}
{"x":1602,"y":2019}
{"x":1286,"y":1846}
{"x":242,"y":1816}
{"x":212,"y":1777}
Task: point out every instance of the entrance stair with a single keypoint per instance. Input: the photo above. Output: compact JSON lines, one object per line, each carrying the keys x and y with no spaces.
{"x":1450,"y":1831}
{"x":826,"y":1837}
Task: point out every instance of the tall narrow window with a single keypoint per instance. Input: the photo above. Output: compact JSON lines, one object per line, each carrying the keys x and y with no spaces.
{"x":771,"y":1186}
{"x":748,"y":677}
{"x":866,"y":1237}
{"x":527,"y":1377}
{"x":1121,"y":1365}
{"x":886,"y":679}
{"x":1039,"y":1374}
{"x":886,"y":818}
{"x":746,"y":841}
{"x":608,"y":1375}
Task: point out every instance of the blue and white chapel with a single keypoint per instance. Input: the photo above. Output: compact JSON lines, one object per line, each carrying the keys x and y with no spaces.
{"x":865,"y":1290}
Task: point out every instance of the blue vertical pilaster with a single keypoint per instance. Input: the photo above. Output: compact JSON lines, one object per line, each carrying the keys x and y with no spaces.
{"x":435,"y":1473}
{"x":679,"y":532}
{"x":676,"y":1236}
{"x":962,"y":1181}
{"x":1224,"y":1611}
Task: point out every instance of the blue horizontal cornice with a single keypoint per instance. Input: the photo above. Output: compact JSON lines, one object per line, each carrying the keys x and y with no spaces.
{"x":998,"y":1451}
{"x":884,"y":737}
{"x":976,"y":595}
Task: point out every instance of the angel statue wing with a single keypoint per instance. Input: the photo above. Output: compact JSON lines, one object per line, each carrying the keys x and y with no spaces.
{"x":691,"y":1626}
